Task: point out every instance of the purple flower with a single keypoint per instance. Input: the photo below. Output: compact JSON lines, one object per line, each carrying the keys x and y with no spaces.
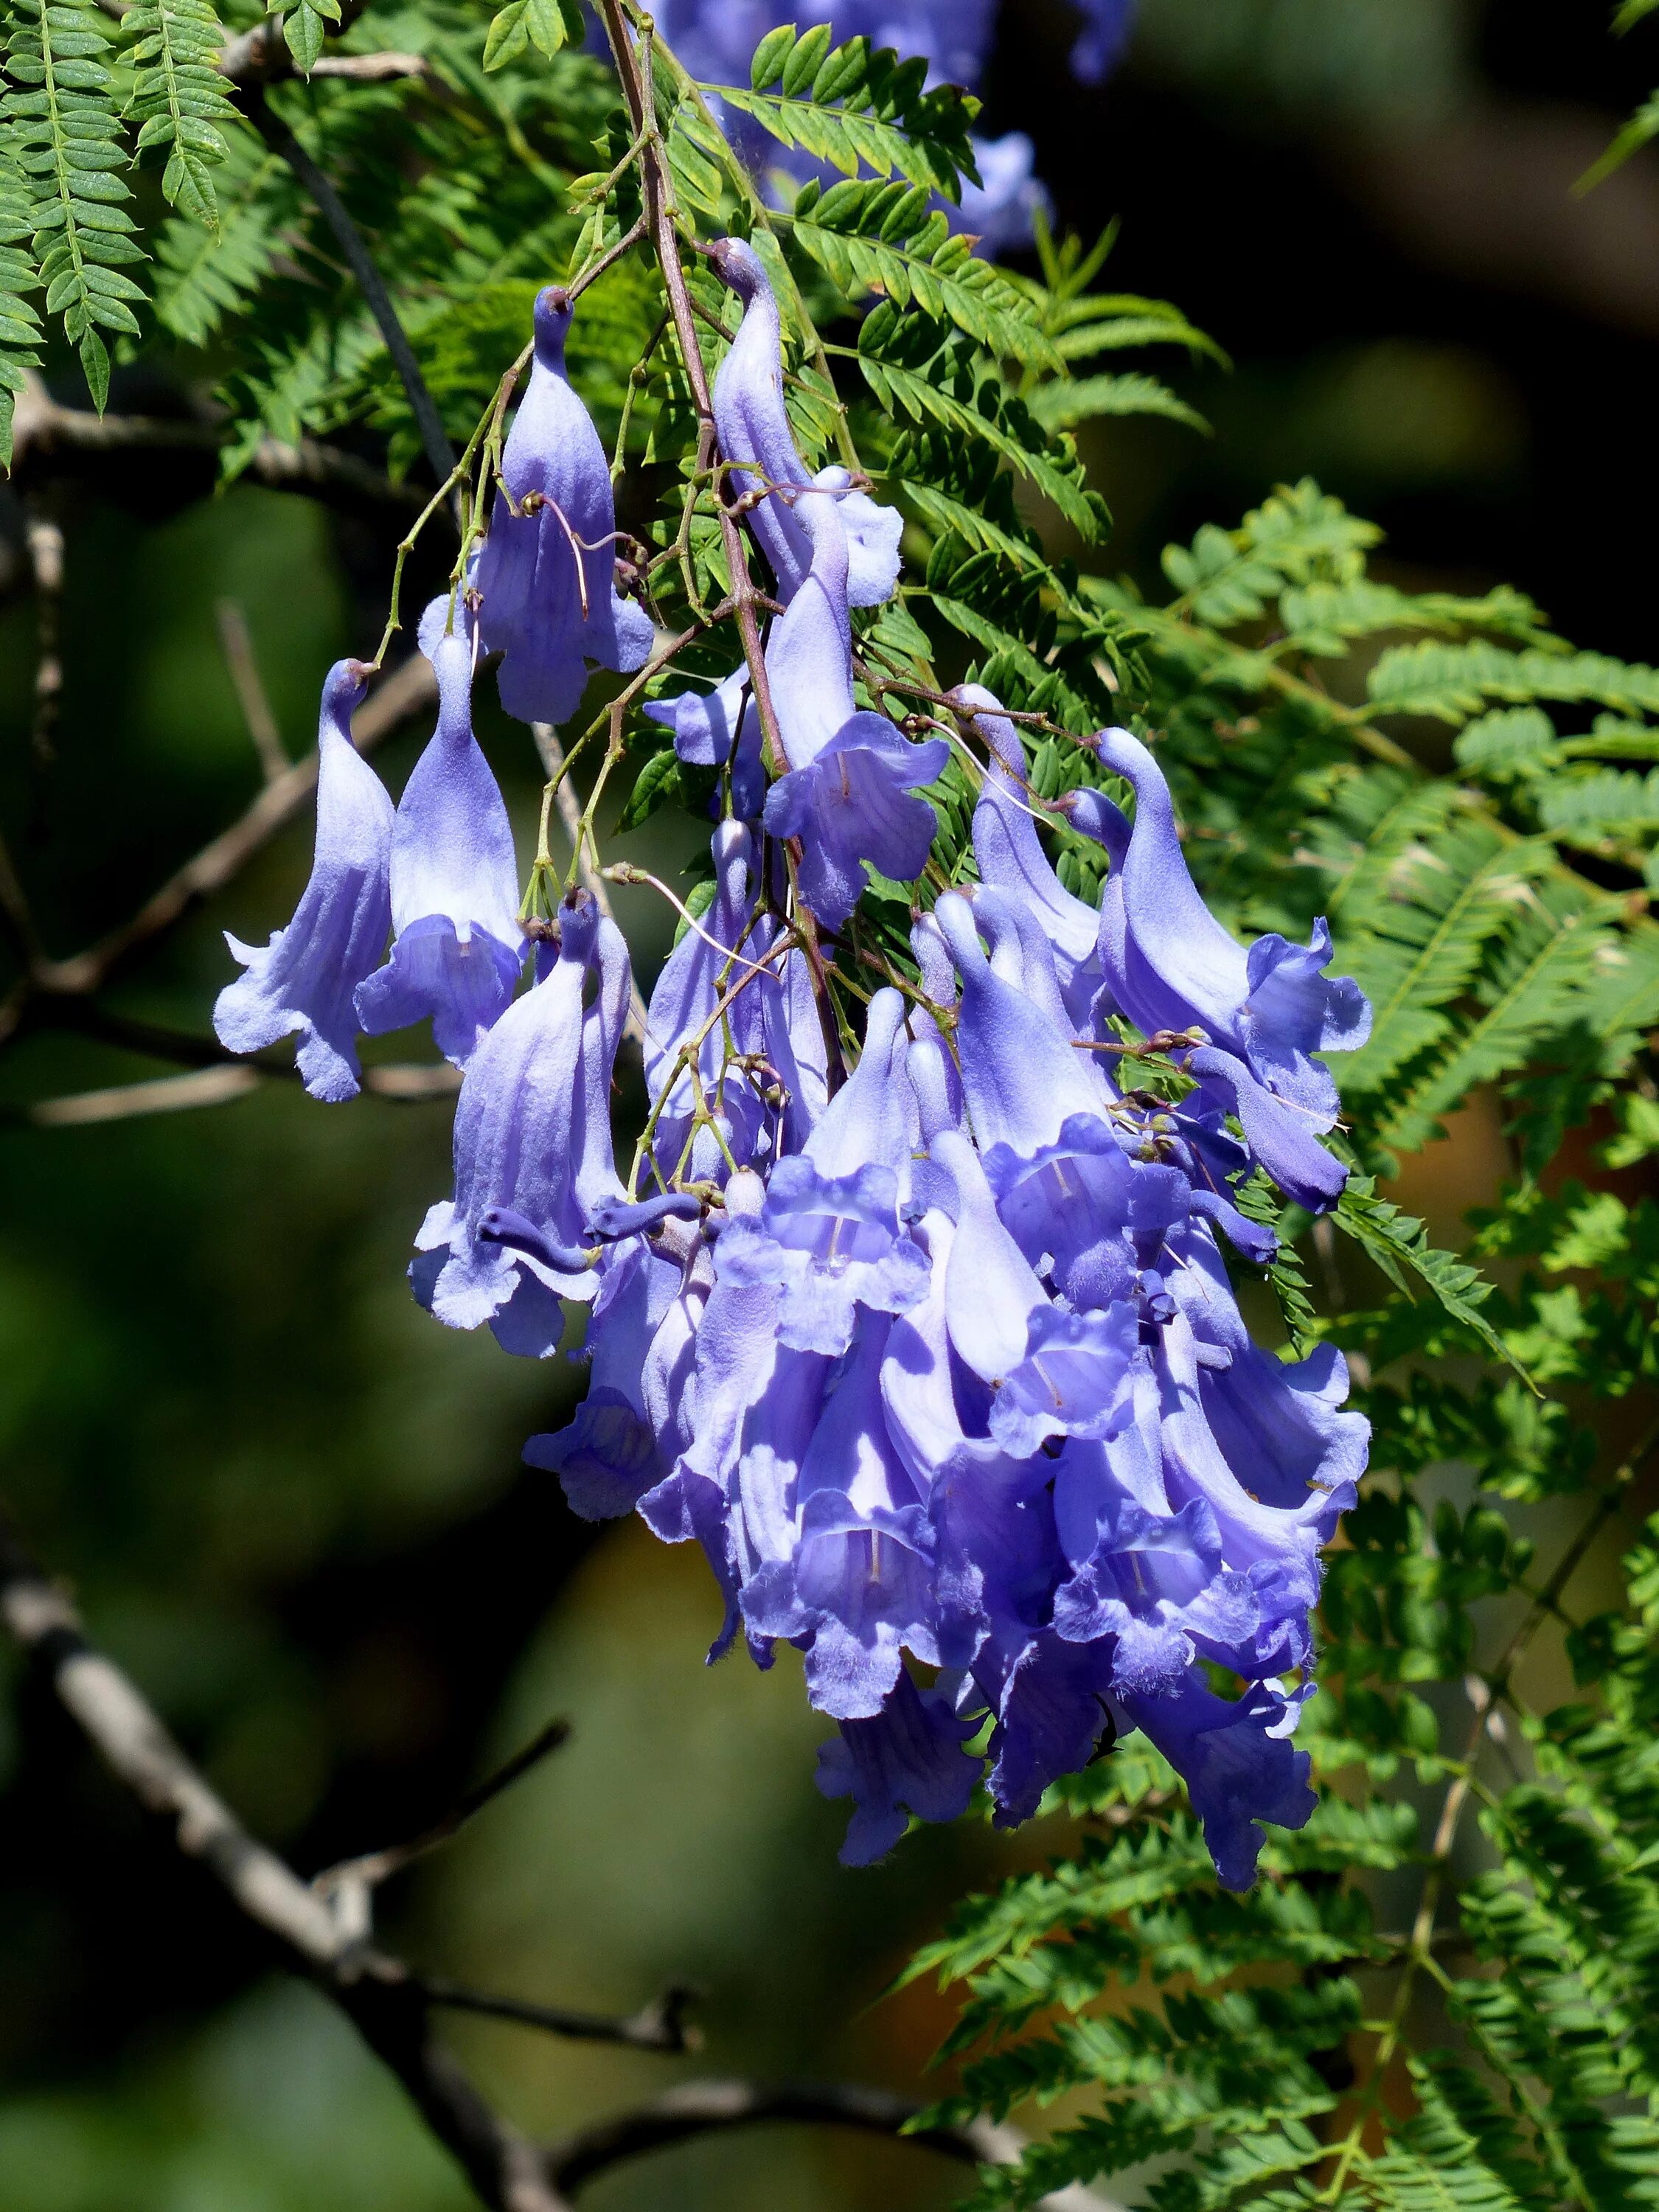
{"x":1001,"y":211}
{"x":909,"y":1758}
{"x":459,"y":950}
{"x":857,"y":1585}
{"x":1104,"y":39}
{"x":713,"y":727}
{"x":532,"y":1150}
{"x":730,"y":991}
{"x":847,"y":794}
{"x":829,"y":1236}
{"x":1053,"y":1372}
{"x":303,"y":981}
{"x":642,"y":1341}
{"x":1236,"y":1760}
{"x":549,"y":617}
{"x":755,"y":435}
{"x":1012,"y":859}
{"x":1266,"y":1009}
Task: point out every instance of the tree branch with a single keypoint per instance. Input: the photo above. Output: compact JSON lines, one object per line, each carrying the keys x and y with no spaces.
{"x":697,"y":2108}
{"x":50,"y":439}
{"x":383,"y":2000}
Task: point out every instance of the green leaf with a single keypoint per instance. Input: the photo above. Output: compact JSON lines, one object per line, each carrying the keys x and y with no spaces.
{"x":1057,"y":406}
{"x":541,"y":23}
{"x":1399,"y":1245}
{"x":770,"y":55}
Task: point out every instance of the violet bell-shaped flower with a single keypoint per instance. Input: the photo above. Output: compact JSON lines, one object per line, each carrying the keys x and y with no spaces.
{"x":532,"y":1150}
{"x":459,"y":950}
{"x":713,"y":727}
{"x":857,"y":1587}
{"x":546,"y":577}
{"x":1012,"y":859}
{"x":642,"y":1343}
{"x":1267,"y":1010}
{"x":707,"y":1030}
{"x":847,"y":796}
{"x":828,"y":1236}
{"x":303,"y":981}
{"x":753,"y":427}
{"x":907,"y":1759}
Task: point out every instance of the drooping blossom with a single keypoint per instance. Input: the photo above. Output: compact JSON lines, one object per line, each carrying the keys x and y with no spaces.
{"x":755,"y":436}
{"x":847,"y":794}
{"x":303,"y":981}
{"x":1267,"y":1011}
{"x":731,"y":1029}
{"x":546,"y":577}
{"x":532,"y":1149}
{"x":712,"y":728}
{"x":828,"y":1236}
{"x":458,"y":950}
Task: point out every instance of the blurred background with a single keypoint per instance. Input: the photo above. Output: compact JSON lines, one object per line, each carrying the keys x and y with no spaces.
{"x":295,"y":1509}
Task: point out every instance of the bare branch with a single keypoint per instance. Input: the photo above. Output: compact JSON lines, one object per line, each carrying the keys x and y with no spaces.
{"x":696,"y":2108}
{"x":370,"y":69}
{"x":126,"y":1102}
{"x":46,"y":549}
{"x":261,"y":56}
{"x":238,"y":649}
{"x":217,"y":1084}
{"x":49,"y":440}
{"x":385,"y":2003}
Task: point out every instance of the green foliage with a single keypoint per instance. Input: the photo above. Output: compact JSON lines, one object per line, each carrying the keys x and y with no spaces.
{"x":19,"y":321}
{"x":58,"y":114}
{"x":857,"y":106}
{"x":179,"y":99}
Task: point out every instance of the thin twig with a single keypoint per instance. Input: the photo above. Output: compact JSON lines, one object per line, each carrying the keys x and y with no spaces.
{"x":570,"y":817}
{"x":660,"y":2025}
{"x":237,"y":645}
{"x":435,"y":442}
{"x":698,"y":2108}
{"x":374,"y":1867}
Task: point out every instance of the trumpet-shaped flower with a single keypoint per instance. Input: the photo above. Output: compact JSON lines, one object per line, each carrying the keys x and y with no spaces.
{"x":828,"y":1236}
{"x":303,"y":981}
{"x":755,"y":436}
{"x":1267,"y":1010}
{"x":546,"y":575}
{"x":459,"y":950}
{"x":847,"y":796}
{"x":532,"y":1150}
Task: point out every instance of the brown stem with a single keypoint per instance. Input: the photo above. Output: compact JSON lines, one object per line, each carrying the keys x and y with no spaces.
{"x":658,"y":194}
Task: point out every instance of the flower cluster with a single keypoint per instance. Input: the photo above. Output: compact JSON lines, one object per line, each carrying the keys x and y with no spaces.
{"x":938,"y":1358}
